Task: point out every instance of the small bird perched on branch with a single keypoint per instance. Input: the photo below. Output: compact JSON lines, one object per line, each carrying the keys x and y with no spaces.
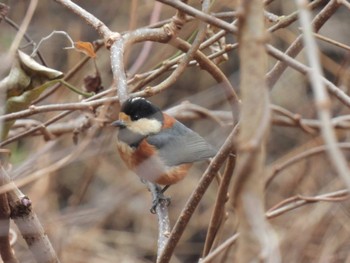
{"x":157,"y":147}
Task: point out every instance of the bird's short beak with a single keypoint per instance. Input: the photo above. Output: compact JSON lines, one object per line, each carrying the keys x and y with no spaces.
{"x":123,"y":120}
{"x":119,"y":124}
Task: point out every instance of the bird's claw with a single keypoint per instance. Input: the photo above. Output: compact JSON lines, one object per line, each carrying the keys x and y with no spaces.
{"x":160,"y":199}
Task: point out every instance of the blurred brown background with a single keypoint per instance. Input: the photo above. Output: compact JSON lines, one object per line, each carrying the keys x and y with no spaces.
{"x":95,"y":210}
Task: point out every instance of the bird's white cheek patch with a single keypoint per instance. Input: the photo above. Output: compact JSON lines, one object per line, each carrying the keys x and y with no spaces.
{"x":145,"y":126}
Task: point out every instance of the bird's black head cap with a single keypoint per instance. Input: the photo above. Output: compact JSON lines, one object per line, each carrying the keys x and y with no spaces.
{"x":138,"y":108}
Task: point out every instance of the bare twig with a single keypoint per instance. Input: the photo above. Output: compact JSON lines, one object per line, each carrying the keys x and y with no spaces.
{"x":171,"y":64}
{"x":322,"y":100}
{"x":221,"y":199}
{"x":297,"y":45}
{"x":28,"y":223}
{"x":299,"y":200}
{"x":223,"y":246}
{"x":256,"y":238}
{"x":49,"y":36}
{"x":296,"y":118}
{"x":345,"y":3}
{"x":121,"y":44}
{"x":305,"y":154}
{"x":215,"y":71}
{"x":289,"y":61}
{"x":331,"y":41}
{"x":285,"y":21}
{"x":145,"y":51}
{"x":110,"y":39}
{"x":200,"y":15}
{"x":52,"y":167}
{"x":27,"y":37}
{"x":187,"y":58}
{"x":108,"y":36}
{"x":23,"y":28}
{"x":163,"y":219}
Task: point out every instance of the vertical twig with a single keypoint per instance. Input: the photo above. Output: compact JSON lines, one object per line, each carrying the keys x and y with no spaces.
{"x":322,"y":101}
{"x":256,"y":241}
{"x":163,"y":219}
{"x":221,"y":199}
{"x":26,"y":20}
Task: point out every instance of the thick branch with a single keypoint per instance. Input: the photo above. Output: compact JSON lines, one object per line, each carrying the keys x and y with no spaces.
{"x":248,"y":190}
{"x":28,"y":223}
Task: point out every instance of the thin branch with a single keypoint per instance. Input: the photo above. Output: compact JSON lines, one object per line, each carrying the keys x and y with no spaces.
{"x":296,"y":118}
{"x":331,"y":41}
{"x":294,"y":49}
{"x":275,"y":169}
{"x":171,"y":63}
{"x":52,"y":167}
{"x":49,"y":36}
{"x":209,"y":66}
{"x":90,"y":19}
{"x":146,"y":48}
{"x":221,"y":199}
{"x":322,"y":100}
{"x":111,"y":41}
{"x":223,"y":246}
{"x":185,"y":59}
{"x":285,"y":21}
{"x":299,"y":200}
{"x":289,"y":61}
{"x":200,"y":15}
{"x":163,"y":219}
{"x":26,"y":20}
{"x":27,"y":37}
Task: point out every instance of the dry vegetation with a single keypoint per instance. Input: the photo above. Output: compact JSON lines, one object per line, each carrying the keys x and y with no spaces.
{"x":275,"y":192}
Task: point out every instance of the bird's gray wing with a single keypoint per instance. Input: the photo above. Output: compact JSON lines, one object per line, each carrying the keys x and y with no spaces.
{"x":179,"y":145}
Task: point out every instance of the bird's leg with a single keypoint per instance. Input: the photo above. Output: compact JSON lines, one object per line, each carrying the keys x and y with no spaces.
{"x":159,"y":198}
{"x":165,"y":188}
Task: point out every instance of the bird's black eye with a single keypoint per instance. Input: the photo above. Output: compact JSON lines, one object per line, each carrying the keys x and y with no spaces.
{"x":135,"y":117}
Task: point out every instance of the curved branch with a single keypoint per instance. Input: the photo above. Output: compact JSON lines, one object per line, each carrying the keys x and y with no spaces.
{"x":275,"y":169}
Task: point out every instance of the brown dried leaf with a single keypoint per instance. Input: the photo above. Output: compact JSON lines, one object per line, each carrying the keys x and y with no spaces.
{"x":86,"y":47}
{"x":93,"y":83}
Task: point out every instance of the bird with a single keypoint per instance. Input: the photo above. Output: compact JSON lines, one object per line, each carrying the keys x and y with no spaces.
{"x":156,"y":146}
